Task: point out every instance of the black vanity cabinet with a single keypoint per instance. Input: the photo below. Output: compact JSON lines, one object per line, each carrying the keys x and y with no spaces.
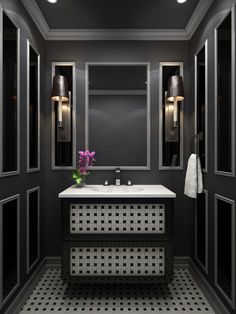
{"x":117,"y":238}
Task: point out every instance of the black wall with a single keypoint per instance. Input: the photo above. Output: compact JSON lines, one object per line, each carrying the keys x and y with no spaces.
{"x":98,"y":51}
{"x":19,"y":184}
{"x":215,"y":184}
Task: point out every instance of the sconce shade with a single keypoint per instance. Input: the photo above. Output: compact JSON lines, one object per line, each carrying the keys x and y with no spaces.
{"x":175,"y":88}
{"x":60,"y":88}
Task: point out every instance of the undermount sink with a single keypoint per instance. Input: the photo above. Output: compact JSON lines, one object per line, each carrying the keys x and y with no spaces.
{"x":117,"y":189}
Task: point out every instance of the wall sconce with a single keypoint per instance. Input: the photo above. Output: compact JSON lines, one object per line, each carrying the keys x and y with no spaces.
{"x":175,"y":93}
{"x":60,"y":93}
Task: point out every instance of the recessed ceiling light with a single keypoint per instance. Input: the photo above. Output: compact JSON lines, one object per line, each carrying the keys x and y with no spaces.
{"x":52,"y":1}
{"x":181,"y":1}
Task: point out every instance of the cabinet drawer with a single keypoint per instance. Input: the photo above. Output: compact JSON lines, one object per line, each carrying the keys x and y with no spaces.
{"x":117,"y":261}
{"x":117,"y":218}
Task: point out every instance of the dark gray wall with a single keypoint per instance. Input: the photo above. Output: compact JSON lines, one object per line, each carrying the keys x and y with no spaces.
{"x":215,"y":184}
{"x":56,"y":181}
{"x":19,"y":184}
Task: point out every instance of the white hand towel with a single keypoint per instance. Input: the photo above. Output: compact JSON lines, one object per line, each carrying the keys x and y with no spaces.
{"x":193,"y":179}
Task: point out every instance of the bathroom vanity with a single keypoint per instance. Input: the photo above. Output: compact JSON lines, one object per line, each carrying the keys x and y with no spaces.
{"x":117,"y":233}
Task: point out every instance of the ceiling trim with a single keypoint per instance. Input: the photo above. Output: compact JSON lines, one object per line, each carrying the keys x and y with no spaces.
{"x":197,"y":16}
{"x":116,"y":34}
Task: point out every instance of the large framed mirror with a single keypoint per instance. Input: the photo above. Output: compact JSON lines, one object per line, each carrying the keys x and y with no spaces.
{"x":170,"y":136}
{"x":9,"y":247}
{"x":118,"y":115}
{"x":10,"y":96}
{"x":64,"y":136}
{"x":225,"y":247}
{"x":225,"y":96}
{"x":201,"y":102}
{"x":33,"y":108}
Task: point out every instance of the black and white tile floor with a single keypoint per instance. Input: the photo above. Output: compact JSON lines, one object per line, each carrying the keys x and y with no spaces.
{"x":181,"y":296}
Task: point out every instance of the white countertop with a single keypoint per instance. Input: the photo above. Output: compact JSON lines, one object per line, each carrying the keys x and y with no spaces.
{"x":112,"y":191}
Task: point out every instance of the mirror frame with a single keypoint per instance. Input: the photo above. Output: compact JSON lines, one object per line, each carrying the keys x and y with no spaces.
{"x":2,"y":202}
{"x":73,"y":101}
{"x":233,"y":271}
{"x":160,"y":136}
{"x":205,"y":45}
{"x":17,"y":171}
{"x":204,"y":267}
{"x":29,"y":44}
{"x":148,"y":161}
{"x":219,"y":172}
{"x":29,"y":267}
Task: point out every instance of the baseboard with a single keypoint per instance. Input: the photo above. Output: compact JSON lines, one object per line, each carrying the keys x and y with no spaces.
{"x":55,"y":262}
{"x":26,"y":290}
{"x":206,"y":288}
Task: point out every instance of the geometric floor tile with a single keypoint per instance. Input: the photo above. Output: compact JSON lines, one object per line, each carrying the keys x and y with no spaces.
{"x":51,"y":295}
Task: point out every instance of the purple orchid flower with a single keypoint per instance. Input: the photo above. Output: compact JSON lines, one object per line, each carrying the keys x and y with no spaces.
{"x":86,"y":160}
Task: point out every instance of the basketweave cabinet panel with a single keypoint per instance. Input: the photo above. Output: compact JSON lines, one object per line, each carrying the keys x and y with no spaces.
{"x":111,"y":261}
{"x":117,"y":219}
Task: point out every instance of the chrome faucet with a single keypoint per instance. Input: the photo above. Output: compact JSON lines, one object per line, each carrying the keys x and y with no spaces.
{"x":117,"y":176}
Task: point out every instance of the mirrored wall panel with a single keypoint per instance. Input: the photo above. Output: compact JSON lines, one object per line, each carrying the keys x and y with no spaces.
{"x":10,"y":245}
{"x":201,"y":99}
{"x":33,"y":218}
{"x":63,"y":136}
{"x":224,"y":102}
{"x":201,"y":230}
{"x":33,"y":91}
{"x":225,"y":246}
{"x":10,"y":97}
{"x":170,"y":135}
{"x":117,"y":115}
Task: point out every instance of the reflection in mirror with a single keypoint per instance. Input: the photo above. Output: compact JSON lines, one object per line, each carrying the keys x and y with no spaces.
{"x":201,"y":102}
{"x":64,"y":137}
{"x":224,"y":257}
{"x":33,"y":108}
{"x":201,"y":229}
{"x":170,"y":135}
{"x":10,"y":97}
{"x":117,"y":115}
{"x":33,"y":227}
{"x":224,"y":111}
{"x":9,"y":245}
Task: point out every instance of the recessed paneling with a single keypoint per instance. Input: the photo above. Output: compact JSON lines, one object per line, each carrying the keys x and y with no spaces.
{"x":9,"y":211}
{"x":33,"y":219}
{"x":170,"y":136}
{"x":201,"y":230}
{"x":63,"y":137}
{"x":225,"y":247}
{"x":10,"y":97}
{"x":201,"y":100}
{"x":33,"y":114}
{"x":225,"y":96}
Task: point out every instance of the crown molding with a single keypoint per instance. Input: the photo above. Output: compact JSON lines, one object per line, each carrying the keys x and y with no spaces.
{"x":197,"y":16}
{"x":116,"y":34}
{"x":37,"y":16}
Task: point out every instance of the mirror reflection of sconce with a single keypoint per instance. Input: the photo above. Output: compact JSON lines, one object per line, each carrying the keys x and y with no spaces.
{"x":60,"y":93}
{"x":175,"y":93}
{"x":171,"y":132}
{"x":64,"y":131}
